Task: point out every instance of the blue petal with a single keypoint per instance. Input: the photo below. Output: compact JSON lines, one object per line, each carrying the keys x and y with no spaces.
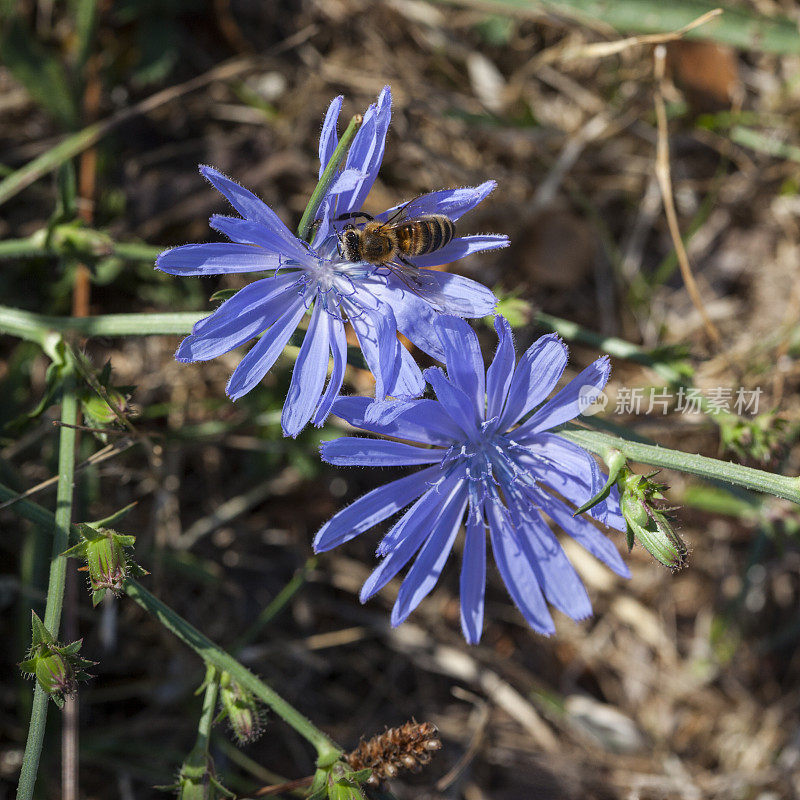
{"x":454,"y":401}
{"x":572,"y":472}
{"x":258,"y":362}
{"x":338,"y":342}
{"x":554,"y":573}
{"x":473,"y":578}
{"x":372,"y":508}
{"x":356,"y":451}
{"x":416,"y":312}
{"x":346,"y":181}
{"x":244,"y":231}
{"x":516,"y":571}
{"x":536,"y":375}
{"x":366,"y":151}
{"x":574,"y":398}
{"x":323,"y":230}
{"x":308,"y":375}
{"x":408,"y":382}
{"x":423,"y":421}
{"x":457,"y":295}
{"x":415,"y":527}
{"x":501,"y":370}
{"x":248,"y":205}
{"x":453,"y":203}
{"x":216,"y":259}
{"x":328,"y":139}
{"x":430,"y":561}
{"x":249,"y":312}
{"x":462,"y":246}
{"x":376,"y":330}
{"x":426,"y":507}
{"x":462,"y":353}
{"x":582,"y":531}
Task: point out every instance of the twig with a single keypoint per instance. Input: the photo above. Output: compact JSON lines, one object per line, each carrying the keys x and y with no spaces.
{"x":664,"y":177}
{"x":109,"y":451}
{"x":481,"y":713}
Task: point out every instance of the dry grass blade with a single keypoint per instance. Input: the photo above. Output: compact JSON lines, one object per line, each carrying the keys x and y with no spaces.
{"x":603,"y":49}
{"x":664,"y":176}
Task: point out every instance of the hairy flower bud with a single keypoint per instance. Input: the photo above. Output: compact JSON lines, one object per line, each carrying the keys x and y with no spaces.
{"x":646,"y":521}
{"x":106,"y":560}
{"x":57,"y":668}
{"x":242,"y":710}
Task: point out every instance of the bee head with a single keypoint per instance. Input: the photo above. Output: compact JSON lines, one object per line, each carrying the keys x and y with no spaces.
{"x":350,"y":243}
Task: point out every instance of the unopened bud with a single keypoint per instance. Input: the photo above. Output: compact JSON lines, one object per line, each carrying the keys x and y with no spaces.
{"x":98,"y":411}
{"x":646,"y":521}
{"x":57,"y":668}
{"x":53,"y":673}
{"x":242,"y":710}
{"x":104,"y":552}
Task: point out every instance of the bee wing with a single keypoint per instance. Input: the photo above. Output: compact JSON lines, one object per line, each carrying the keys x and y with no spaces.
{"x":416,"y":281}
{"x":405,"y":211}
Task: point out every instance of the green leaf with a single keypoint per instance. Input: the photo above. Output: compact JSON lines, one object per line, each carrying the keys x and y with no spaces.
{"x":39,"y":634}
{"x":66,"y":204}
{"x":115,"y":517}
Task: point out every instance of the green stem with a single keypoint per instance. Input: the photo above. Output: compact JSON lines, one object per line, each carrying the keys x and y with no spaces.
{"x":61,"y":523}
{"x":35,"y":327}
{"x":326,"y":179}
{"x":36,"y":247}
{"x":215,"y":656}
{"x":209,"y":707}
{"x":691,"y":463}
{"x":197,"y":641}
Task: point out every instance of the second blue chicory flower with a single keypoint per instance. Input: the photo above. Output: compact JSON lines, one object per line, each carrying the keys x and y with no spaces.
{"x":488,"y":456}
{"x":314,"y":277}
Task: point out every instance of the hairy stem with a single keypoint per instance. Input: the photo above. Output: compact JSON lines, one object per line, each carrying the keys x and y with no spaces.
{"x":216,"y":657}
{"x":326,"y":179}
{"x":58,"y":569}
{"x":35,"y":327}
{"x":691,"y":463}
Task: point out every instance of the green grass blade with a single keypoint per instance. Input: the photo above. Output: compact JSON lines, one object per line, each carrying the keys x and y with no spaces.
{"x":736,"y":26}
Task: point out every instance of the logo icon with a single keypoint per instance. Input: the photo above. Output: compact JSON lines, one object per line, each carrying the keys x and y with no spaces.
{"x":591,"y":400}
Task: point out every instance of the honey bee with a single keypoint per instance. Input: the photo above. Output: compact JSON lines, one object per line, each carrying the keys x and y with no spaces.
{"x":390,"y":244}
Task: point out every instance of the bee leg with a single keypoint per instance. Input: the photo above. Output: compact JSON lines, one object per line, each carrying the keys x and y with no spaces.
{"x":354,"y":215}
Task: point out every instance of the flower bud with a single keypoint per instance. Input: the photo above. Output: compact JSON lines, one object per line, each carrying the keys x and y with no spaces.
{"x":242,"y":710}
{"x":646,"y":521}
{"x":104,"y":552}
{"x":54,"y":673}
{"x":57,"y":668}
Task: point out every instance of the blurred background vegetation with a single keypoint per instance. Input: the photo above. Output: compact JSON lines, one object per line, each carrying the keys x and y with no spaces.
{"x":681,"y":686}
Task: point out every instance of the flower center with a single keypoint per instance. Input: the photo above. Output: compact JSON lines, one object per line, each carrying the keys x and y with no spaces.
{"x":487,"y":461}
{"x":329,"y":278}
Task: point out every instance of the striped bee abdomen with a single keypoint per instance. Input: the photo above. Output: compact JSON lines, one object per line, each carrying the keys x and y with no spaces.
{"x":424,"y":235}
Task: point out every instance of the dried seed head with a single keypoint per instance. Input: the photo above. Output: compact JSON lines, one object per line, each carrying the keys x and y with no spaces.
{"x":407,"y":747}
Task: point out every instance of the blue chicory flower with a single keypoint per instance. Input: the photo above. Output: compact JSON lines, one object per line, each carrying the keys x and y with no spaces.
{"x":315,"y":277}
{"x":489,"y":457}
